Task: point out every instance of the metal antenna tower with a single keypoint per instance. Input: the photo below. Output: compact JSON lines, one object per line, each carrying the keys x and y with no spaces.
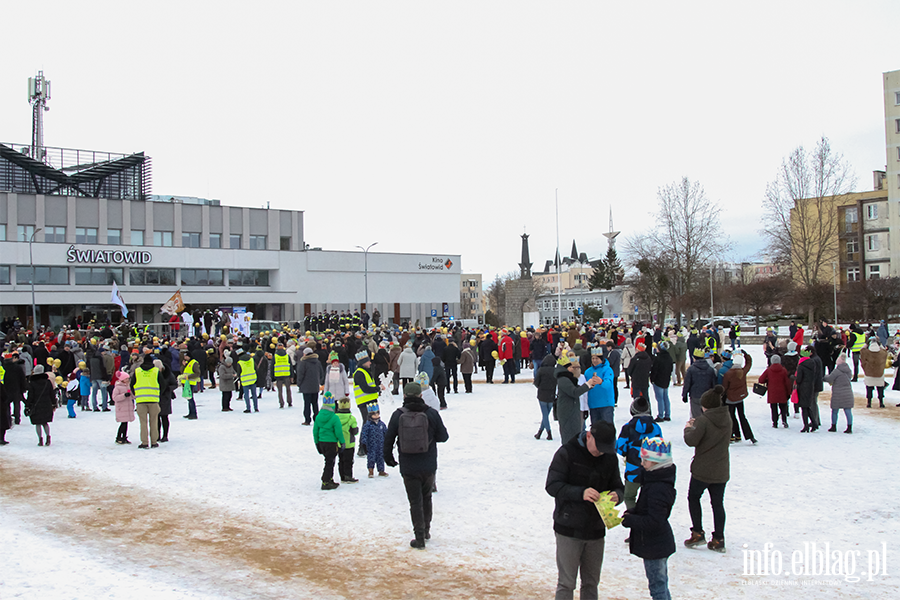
{"x":38,"y":94}
{"x":611,"y":235}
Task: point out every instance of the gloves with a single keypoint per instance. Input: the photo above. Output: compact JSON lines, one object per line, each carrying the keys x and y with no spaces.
{"x":684,"y":399}
{"x":341,"y":447}
{"x":389,"y":461}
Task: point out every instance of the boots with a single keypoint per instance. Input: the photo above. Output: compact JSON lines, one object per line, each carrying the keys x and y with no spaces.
{"x":40,"y":441}
{"x":833,"y":428}
{"x":330,"y":485}
{"x":371,"y":473}
{"x":869,"y":403}
{"x":537,"y":436}
{"x":696,"y":539}
{"x":549,"y":435}
{"x":849,"y":429}
{"x":419,"y":542}
{"x":717,"y":545}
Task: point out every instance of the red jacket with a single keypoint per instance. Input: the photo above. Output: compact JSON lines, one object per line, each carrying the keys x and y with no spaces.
{"x":526,"y":347}
{"x":506,"y":348}
{"x":778,"y":382}
{"x":798,"y":337}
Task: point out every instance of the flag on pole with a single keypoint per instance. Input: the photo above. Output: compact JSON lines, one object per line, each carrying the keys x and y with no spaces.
{"x":117,"y":299}
{"x":173,"y":305}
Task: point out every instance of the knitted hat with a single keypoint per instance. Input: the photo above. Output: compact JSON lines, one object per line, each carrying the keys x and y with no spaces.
{"x":738,"y":361}
{"x":775,"y":360}
{"x":38,"y":370}
{"x":640,"y":406}
{"x":307,"y":350}
{"x":792,"y":346}
{"x":327,"y":398}
{"x":657,"y":451}
{"x":412,"y":389}
{"x":332,"y":356}
{"x":362,"y":356}
{"x":712,"y":398}
{"x":229,"y":361}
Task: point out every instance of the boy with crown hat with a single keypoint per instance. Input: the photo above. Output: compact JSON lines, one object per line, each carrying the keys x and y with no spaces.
{"x":648,"y":519}
{"x":371,"y":438}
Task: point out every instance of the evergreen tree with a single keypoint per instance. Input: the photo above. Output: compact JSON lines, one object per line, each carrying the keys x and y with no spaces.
{"x":599,"y":277}
{"x":613,"y":268}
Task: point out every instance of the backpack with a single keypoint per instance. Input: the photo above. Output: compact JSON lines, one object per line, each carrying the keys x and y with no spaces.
{"x":413,"y":432}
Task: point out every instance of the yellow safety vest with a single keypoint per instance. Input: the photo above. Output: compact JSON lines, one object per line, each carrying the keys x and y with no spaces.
{"x":189,"y":370}
{"x":859,"y":340}
{"x":282,"y":366}
{"x":2,"y":374}
{"x":248,"y":372}
{"x":146,"y":385}
{"x":362,"y":397}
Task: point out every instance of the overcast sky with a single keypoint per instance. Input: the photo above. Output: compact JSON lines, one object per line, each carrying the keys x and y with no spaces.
{"x":446,"y":127}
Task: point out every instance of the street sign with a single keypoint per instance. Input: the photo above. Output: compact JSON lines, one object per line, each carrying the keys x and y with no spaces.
{"x":433,"y":312}
{"x":580,"y":310}
{"x":635,"y":309}
{"x":615,"y":316}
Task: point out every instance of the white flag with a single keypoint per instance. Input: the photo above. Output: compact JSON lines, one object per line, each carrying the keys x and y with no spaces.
{"x":117,"y":299}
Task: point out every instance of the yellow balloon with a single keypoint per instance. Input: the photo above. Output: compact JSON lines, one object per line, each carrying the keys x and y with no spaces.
{"x":495,"y":355}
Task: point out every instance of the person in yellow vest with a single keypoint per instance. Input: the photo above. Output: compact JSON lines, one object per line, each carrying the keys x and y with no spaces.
{"x":146,"y":383}
{"x":191,"y":375}
{"x":246,"y":372}
{"x":281,"y":374}
{"x":857,"y":340}
{"x":364,"y":387}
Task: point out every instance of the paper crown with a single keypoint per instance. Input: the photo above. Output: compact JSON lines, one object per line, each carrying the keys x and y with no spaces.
{"x":655,"y":447}
{"x":362,"y":355}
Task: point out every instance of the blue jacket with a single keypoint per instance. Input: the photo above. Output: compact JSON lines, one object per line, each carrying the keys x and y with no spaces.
{"x":425,"y":364}
{"x":602,"y":395}
{"x":633,"y":434}
{"x":720,"y":374}
{"x":699,"y":378}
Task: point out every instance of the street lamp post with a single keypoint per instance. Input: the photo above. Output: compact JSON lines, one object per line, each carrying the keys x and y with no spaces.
{"x":711,"y":311}
{"x":31,"y":260}
{"x":366,"y":263}
{"x":834,"y":283}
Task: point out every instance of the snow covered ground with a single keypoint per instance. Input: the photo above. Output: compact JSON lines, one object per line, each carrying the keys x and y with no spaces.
{"x":231,"y":508}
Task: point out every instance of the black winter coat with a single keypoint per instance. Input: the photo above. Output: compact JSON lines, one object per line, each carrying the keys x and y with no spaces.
{"x":639,"y":370}
{"x":661,"y":371}
{"x":41,"y":399}
{"x":572,"y":470}
{"x":651,"y":535}
{"x":415,"y":464}
{"x":699,"y":378}
{"x":545,"y":380}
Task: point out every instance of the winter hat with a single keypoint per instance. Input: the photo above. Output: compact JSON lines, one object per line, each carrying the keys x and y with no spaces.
{"x":712,"y":398}
{"x":412,"y":389}
{"x":664,"y":345}
{"x":158,"y":364}
{"x":229,"y":361}
{"x":362,"y":356}
{"x":122,"y":376}
{"x":327,"y":398}
{"x":421,"y":378}
{"x":307,"y":350}
{"x":775,"y":360}
{"x":38,"y":370}
{"x":738,"y":361}
{"x":657,"y":451}
{"x":841,"y":359}
{"x":792,"y":346}
{"x":640,"y":406}
{"x":873,"y":346}
{"x":332,"y":356}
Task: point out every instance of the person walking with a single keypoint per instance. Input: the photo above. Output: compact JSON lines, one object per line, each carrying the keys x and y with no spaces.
{"x":661,"y":378}
{"x":310,"y":379}
{"x":709,"y":435}
{"x":873,"y":358}
{"x":416,"y":429}
{"x":468,"y":364}
{"x":328,"y":436}
{"x":699,"y":378}
{"x":124,"y":402}
{"x":281,"y":374}
{"x":568,"y":397}
{"x":778,"y":390}
{"x":583,"y":468}
{"x":841,"y":394}
{"x":41,"y":402}
{"x":226,"y":374}
{"x":545,"y":382}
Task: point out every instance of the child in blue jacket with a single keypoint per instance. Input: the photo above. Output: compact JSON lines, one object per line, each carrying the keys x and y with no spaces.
{"x":371,"y":438}
{"x":634,"y":432}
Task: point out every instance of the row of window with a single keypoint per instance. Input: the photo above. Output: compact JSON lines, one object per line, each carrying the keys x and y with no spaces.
{"x":88,"y":235}
{"x":108,"y":275}
{"x":874,"y":273}
{"x":552,"y":304}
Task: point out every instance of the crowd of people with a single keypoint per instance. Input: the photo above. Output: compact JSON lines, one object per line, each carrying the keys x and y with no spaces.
{"x":576,"y":371}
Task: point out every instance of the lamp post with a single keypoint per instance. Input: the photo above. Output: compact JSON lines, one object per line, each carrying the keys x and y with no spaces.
{"x":711,"y":311}
{"x":834,"y":283}
{"x":31,"y":260}
{"x":366,"y":263}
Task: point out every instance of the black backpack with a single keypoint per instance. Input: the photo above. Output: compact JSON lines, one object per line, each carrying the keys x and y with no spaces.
{"x":413,"y":432}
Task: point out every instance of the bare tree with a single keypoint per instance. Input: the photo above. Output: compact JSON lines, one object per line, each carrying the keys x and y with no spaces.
{"x":800,"y":218}
{"x":686,"y":232}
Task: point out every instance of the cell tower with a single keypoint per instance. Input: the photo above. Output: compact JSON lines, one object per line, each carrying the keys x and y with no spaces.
{"x":611,"y":235}
{"x":38,"y":94}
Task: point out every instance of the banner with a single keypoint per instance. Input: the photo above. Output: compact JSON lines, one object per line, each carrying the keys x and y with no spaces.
{"x":174,"y":305}
{"x":117,"y":299}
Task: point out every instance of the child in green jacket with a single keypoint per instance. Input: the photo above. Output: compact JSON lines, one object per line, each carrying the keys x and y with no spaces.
{"x":328,"y":436}
{"x":349,"y":429}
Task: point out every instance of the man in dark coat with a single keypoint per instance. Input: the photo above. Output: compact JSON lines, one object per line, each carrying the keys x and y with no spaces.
{"x":699,"y":378}
{"x":418,"y":470}
{"x":639,"y":371}
{"x":451,"y":358}
{"x":580,"y":470}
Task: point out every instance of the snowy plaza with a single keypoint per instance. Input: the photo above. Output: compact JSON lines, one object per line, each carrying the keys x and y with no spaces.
{"x":231,"y":508}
